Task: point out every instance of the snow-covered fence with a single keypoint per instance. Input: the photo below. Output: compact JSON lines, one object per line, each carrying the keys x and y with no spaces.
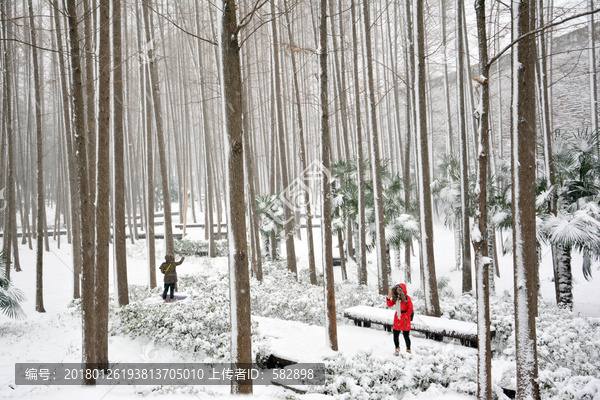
{"x":433,"y":327}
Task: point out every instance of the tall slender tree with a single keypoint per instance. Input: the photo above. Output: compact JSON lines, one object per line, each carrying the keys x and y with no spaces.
{"x":467,"y":284}
{"x":41,"y":206}
{"x":592,"y":69}
{"x":239,"y":279}
{"x":288,"y":191}
{"x":302,"y":155}
{"x":382,"y":262}
{"x":103,"y":191}
{"x":362,"y":223}
{"x":523,"y":201}
{"x":7,"y":121}
{"x":87,"y":211}
{"x":72,"y":172}
{"x":160,"y":137}
{"x":480,"y":226}
{"x":119,"y":160}
{"x":330,"y":316}
{"x":432,"y":302}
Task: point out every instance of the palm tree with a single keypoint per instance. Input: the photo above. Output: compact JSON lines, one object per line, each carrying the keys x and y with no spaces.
{"x":446,"y":193}
{"x":270,"y":214}
{"x":400,"y":228}
{"x":577,"y":223}
{"x":10,"y":297}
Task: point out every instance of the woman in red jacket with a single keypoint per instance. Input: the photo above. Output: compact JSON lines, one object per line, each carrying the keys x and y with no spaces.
{"x":404,"y":309}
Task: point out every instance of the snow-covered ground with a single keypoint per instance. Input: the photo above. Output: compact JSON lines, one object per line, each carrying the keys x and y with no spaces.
{"x":55,"y":336}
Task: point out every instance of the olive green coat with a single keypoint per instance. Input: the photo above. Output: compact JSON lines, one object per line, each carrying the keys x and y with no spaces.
{"x":169,"y":268}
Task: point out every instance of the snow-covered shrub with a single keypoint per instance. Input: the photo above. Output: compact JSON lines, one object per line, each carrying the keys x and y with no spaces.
{"x":200,"y":324}
{"x":190,"y":247}
{"x":566,"y":340}
{"x":281,"y":296}
{"x":364,"y":376}
{"x":140,"y":292}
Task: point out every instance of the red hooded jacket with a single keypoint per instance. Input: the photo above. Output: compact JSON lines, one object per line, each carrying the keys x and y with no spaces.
{"x":402,"y":323}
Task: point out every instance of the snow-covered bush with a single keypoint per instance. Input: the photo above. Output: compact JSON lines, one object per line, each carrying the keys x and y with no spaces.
{"x":199,"y":247}
{"x":281,"y":296}
{"x":200,"y":324}
{"x":364,"y":376}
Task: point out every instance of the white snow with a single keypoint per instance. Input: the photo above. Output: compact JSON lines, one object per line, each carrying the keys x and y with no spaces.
{"x":55,"y":336}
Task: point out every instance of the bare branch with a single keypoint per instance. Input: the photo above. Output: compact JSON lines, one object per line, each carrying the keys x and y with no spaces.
{"x":181,"y":28}
{"x":536,"y":31}
{"x":248,"y":17}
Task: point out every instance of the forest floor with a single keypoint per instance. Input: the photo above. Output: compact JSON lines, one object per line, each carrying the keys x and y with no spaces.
{"x":55,"y":336}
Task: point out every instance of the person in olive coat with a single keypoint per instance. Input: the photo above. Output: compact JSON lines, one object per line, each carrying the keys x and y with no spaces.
{"x":169,"y":268}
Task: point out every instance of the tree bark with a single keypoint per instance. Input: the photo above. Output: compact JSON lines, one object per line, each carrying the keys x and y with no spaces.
{"x":302,"y":155}
{"x":432,"y":303}
{"x":361,"y":260}
{"x":330,"y":316}
{"x":375,"y":161}
{"x":467,"y":284}
{"x":87,"y":211}
{"x":289,"y":192}
{"x":409,"y":61}
{"x":523,"y":203}
{"x":592,"y":69}
{"x":169,"y":248}
{"x":41,"y":207}
{"x":103,"y":191}
{"x":72,"y":173}
{"x":480,"y":239}
{"x":8,"y":203}
{"x":239,"y":280}
{"x":120,"y":248}
{"x":253,"y":215}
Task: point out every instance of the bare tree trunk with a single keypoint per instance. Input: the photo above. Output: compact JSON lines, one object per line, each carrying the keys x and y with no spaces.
{"x":39,"y":292}
{"x":330,"y":316}
{"x":480,"y":237}
{"x":410,"y":113}
{"x":208,"y":224}
{"x":449,"y":138}
{"x":375,"y":161}
{"x":159,"y":129}
{"x":89,"y":87}
{"x":120,"y":248}
{"x":231,"y":84}
{"x":103,"y":191}
{"x":289,"y":193}
{"x":150,"y":184}
{"x":467,"y":284}
{"x":432,"y":303}
{"x":302,"y":154}
{"x":523,"y":203}
{"x":592,"y":69}
{"x":362,"y":223}
{"x":253,"y":216}
{"x":87,"y":228}
{"x":10,"y":231}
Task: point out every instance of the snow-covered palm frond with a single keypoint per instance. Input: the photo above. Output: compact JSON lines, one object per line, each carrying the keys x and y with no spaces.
{"x":337,"y":201}
{"x":499,"y":218}
{"x":579,"y":231}
{"x":10,"y":297}
{"x":403,"y":229}
{"x":337,"y":224}
{"x":545,"y":197}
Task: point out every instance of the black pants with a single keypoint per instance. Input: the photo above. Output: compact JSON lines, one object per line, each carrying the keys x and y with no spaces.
{"x":406,"y":338}
{"x":167,"y":286}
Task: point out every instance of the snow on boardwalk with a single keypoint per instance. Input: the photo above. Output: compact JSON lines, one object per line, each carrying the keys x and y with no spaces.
{"x":432,"y":326}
